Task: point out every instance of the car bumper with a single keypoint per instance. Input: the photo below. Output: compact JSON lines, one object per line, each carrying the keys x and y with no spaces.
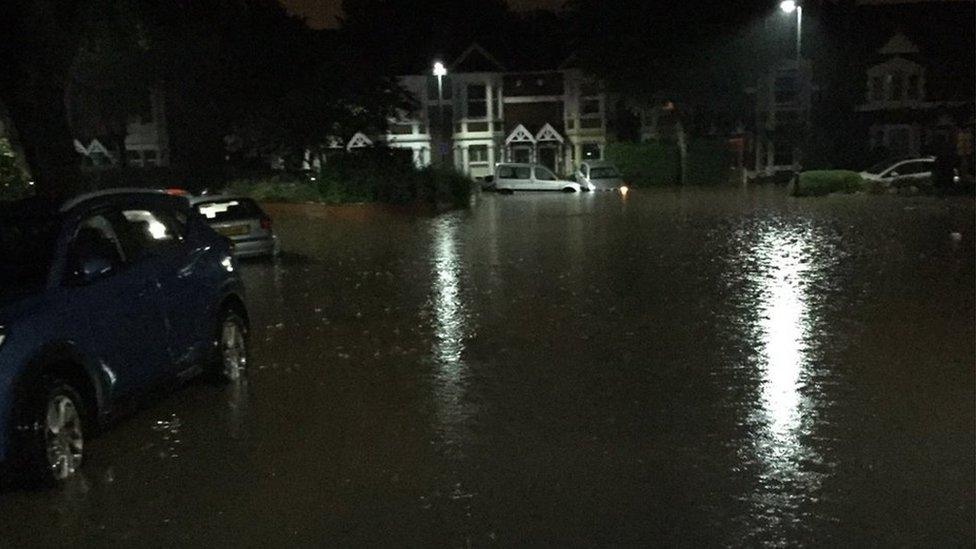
{"x":257,"y":247}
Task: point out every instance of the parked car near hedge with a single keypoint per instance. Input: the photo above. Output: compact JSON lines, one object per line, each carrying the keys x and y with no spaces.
{"x":599,"y":175}
{"x":901,"y":172}
{"x":242,"y":220}
{"x":529,"y":177}
{"x":101,"y":299}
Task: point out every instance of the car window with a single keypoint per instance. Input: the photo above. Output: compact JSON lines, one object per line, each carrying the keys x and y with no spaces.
{"x":95,"y":238}
{"x":229,"y":210}
{"x":604,"y":172}
{"x":506,"y":172}
{"x":522,"y":172}
{"x":913,"y":168}
{"x":543,"y":174}
{"x":144,"y":231}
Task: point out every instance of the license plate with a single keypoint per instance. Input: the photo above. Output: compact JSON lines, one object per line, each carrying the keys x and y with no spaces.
{"x":234,"y":230}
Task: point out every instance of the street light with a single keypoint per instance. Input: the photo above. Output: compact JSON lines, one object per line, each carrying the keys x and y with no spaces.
{"x":789,"y":6}
{"x":440,"y":71}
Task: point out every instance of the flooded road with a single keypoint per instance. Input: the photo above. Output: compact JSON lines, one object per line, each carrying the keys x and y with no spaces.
{"x":706,"y":367}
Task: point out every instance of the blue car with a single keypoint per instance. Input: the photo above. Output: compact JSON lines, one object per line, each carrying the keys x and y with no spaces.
{"x":103,"y":298}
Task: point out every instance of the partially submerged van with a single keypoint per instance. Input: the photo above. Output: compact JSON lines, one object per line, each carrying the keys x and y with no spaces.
{"x":530,"y":177}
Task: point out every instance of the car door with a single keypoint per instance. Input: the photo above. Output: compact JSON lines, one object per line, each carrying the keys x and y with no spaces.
{"x":911,"y":172}
{"x":156,"y":235}
{"x":545,"y":180}
{"x":125,"y":330}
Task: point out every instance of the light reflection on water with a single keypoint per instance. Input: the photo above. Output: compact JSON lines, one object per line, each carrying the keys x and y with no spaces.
{"x":451,"y":327}
{"x":786,"y":412}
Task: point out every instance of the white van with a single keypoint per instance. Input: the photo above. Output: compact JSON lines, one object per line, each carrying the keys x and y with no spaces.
{"x":530,"y":177}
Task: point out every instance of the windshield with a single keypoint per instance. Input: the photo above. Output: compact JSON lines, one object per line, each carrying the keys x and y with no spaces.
{"x":603,"y":172}
{"x":234,"y":209}
{"x":26,"y":247}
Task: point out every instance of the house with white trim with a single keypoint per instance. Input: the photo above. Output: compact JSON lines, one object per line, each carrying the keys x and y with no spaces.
{"x":487,"y":112}
{"x":146,"y":139}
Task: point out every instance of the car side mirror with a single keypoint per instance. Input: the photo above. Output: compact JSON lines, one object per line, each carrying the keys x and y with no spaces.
{"x":93,"y":269}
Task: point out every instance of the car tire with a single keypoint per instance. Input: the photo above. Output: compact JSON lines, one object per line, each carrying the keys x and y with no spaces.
{"x":230,"y":357}
{"x":53,"y":430}
{"x":569,"y":190}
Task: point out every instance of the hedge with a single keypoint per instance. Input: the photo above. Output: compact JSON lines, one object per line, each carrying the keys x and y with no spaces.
{"x":658,"y":163}
{"x":823,"y":182}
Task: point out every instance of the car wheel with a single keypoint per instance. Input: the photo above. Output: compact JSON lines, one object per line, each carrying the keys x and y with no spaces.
{"x":55,"y":429}
{"x":569,"y":190}
{"x":230,"y":360}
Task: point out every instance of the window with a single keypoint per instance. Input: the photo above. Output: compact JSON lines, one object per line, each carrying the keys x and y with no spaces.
{"x":912,"y":168}
{"x":543,"y":174}
{"x":401,"y":129}
{"x":151,"y":158}
{"x":590,"y":106}
{"x":478,"y":154}
{"x":144,"y":232}
{"x":912,"y":89}
{"x":95,"y":238}
{"x":513,"y":172}
{"x":477,"y":101}
{"x":591,"y":123}
{"x":229,"y":210}
{"x":877,"y":89}
{"x":896,"y":86}
{"x":591,"y":151}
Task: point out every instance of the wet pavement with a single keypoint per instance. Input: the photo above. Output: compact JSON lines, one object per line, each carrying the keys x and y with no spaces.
{"x":708,"y":367}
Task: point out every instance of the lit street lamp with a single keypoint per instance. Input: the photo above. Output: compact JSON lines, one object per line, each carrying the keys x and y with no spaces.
{"x":440,"y":71}
{"x":789,"y":6}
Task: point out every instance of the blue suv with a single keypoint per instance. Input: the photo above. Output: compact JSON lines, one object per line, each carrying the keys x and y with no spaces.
{"x":103,"y":298}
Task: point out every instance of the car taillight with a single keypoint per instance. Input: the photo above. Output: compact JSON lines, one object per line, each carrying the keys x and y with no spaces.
{"x":266,"y":223}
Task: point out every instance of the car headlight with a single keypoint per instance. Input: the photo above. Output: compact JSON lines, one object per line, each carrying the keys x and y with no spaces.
{"x":3,"y":335}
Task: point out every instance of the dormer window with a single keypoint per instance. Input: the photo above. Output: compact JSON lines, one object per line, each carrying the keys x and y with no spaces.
{"x":896,"y":86}
{"x":877,"y":89}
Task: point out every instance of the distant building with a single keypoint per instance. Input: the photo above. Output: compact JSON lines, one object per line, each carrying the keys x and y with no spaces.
{"x":491,"y":113}
{"x":905,"y":112}
{"x":783,"y":99}
{"x":146,"y":139}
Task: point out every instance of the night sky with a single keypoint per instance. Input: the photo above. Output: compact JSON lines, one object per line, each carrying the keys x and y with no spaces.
{"x":323,"y":13}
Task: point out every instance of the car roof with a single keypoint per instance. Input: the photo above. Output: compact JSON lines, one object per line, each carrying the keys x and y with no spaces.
{"x":201,"y":199}
{"x":115,"y":196}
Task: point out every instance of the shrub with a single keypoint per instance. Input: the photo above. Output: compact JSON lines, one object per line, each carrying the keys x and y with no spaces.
{"x":445,"y":186}
{"x":651,"y":164}
{"x":658,"y":163}
{"x":275,"y":189}
{"x":823,"y":182}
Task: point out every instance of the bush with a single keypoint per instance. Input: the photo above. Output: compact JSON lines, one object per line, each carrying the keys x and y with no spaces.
{"x":651,"y":164}
{"x":368,"y":175}
{"x":823,"y":182}
{"x":658,"y":163}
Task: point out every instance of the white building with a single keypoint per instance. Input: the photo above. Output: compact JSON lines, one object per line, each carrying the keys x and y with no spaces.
{"x":487,"y":114}
{"x":146,"y":139}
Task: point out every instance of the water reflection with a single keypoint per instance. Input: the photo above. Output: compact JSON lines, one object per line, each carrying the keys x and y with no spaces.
{"x":786,"y":412}
{"x":450,"y":325}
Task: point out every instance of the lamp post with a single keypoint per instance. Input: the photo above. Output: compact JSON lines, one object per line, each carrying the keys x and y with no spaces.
{"x":790,"y":6}
{"x":440,"y":71}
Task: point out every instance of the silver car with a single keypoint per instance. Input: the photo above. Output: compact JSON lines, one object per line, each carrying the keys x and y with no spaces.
{"x":599,"y":175}
{"x":240,"y":219}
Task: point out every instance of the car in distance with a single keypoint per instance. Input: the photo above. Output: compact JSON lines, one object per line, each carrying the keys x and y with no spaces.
{"x":103,"y":298}
{"x":240,"y":219}
{"x":901,"y":172}
{"x":529,"y":177}
{"x":599,"y":175}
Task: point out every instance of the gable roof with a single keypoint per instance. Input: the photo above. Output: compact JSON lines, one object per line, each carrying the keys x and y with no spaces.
{"x":476,"y":59}
{"x":898,"y":44}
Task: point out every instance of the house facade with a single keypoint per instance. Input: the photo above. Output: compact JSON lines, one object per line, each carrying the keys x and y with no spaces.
{"x":146,"y":139}
{"x":783,"y":99}
{"x":482,"y":113}
{"x":902,"y":113}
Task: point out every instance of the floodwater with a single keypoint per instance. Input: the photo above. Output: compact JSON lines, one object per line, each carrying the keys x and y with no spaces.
{"x":700,"y":367}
